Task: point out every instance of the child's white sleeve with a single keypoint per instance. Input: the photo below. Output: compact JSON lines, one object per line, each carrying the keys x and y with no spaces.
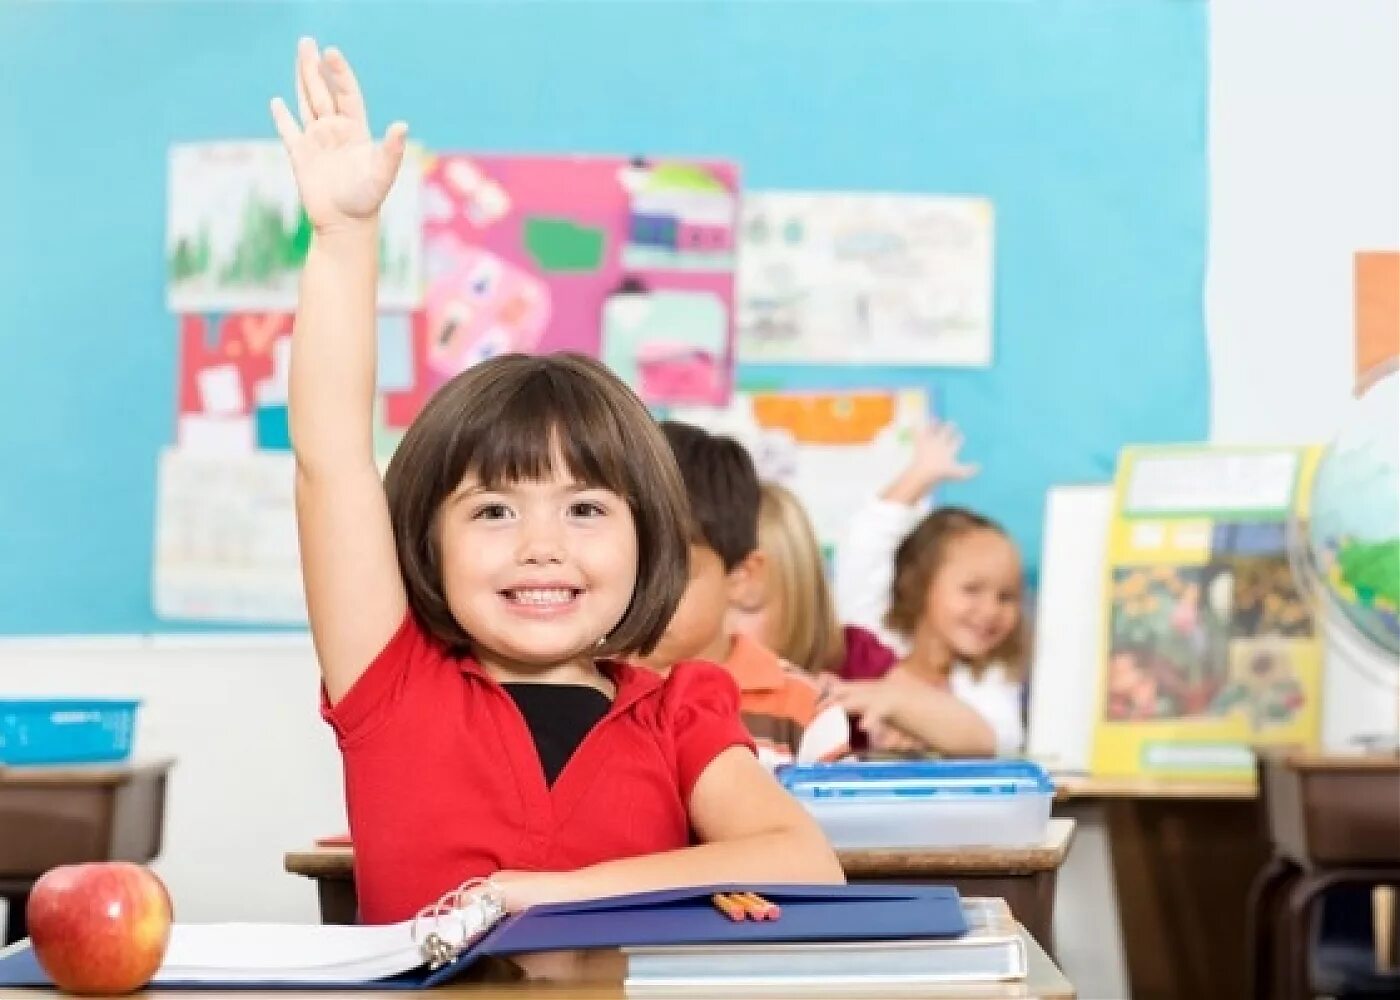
{"x":865,"y":563}
{"x":997,"y":698}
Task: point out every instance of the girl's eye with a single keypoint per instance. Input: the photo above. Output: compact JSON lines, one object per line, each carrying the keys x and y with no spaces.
{"x":586,"y":508}
{"x":491,"y":512}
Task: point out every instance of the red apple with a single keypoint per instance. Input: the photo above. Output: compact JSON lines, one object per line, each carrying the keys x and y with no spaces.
{"x":99,"y":929}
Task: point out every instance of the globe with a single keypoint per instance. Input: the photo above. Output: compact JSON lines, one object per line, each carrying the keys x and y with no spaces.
{"x":1348,"y":549}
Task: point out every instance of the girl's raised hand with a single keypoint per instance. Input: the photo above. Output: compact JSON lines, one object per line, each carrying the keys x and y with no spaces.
{"x":343,"y":175}
{"x":936,"y":451}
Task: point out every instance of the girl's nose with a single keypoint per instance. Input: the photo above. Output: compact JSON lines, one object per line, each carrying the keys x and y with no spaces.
{"x":541,"y":541}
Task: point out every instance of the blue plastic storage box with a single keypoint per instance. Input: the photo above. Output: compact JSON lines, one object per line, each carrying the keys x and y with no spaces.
{"x":66,"y":731}
{"x":911,"y":804}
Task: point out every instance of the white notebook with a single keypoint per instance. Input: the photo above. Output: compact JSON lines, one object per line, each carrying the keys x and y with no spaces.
{"x":991,"y":951}
{"x":324,"y":953}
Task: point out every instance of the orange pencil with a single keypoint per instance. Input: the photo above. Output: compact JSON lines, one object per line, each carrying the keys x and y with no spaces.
{"x":760,"y":908}
{"x":729,"y":906}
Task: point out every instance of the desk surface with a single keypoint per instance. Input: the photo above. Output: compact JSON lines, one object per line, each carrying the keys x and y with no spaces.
{"x":1356,"y":762}
{"x":68,"y":775}
{"x":1088,"y":787}
{"x":337,"y":861}
{"x":1044,"y":981}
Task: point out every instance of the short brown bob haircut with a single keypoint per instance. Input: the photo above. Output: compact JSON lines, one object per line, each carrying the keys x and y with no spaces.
{"x":917,"y":561}
{"x":506,"y":420}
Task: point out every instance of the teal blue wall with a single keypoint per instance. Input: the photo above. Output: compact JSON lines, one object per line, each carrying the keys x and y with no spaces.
{"x":1084,"y":120}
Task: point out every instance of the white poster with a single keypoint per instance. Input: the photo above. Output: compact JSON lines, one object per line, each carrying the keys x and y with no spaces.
{"x":865,"y":279}
{"x":226,"y":540}
{"x":236,"y":236}
{"x":834,"y":449}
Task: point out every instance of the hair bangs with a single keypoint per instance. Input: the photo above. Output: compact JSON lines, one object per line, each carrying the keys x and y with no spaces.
{"x":549,"y":420}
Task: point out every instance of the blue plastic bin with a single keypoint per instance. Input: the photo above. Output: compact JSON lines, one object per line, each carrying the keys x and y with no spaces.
{"x":66,"y":731}
{"x":911,"y":804}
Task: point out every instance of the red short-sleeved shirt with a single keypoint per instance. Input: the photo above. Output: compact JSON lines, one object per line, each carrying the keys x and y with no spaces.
{"x":443,"y":782}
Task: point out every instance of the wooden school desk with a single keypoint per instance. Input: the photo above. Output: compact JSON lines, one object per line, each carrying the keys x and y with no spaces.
{"x":1023,"y":876}
{"x":1044,"y":981}
{"x":1183,"y":856}
{"x":62,"y":815}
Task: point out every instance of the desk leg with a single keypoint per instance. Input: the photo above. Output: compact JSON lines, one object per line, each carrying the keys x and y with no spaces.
{"x":15,"y":925}
{"x":1183,"y":869}
{"x":337,"y":899}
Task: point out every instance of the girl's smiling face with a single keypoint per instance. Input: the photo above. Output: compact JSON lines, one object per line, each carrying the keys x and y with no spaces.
{"x":974,"y":599}
{"x":537,"y":572}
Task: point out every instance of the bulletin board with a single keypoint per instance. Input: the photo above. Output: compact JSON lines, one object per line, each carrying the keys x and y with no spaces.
{"x":1082,"y":123}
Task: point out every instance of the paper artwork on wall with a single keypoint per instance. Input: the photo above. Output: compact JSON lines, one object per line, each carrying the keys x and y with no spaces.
{"x":878,"y":279}
{"x":580,"y":253}
{"x":833,"y":449}
{"x":236,"y":235}
{"x":226,"y":545}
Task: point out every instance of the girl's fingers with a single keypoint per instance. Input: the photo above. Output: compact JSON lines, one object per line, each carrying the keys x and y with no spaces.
{"x":344,"y":88}
{"x":287,"y":126}
{"x":303,"y":101}
{"x":391,"y":149}
{"x":318,"y":95}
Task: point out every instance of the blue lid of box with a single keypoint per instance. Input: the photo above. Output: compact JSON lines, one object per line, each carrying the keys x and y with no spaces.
{"x":916,"y":779}
{"x":66,"y":704}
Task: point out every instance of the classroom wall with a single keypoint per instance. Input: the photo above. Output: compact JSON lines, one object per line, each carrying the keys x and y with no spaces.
{"x":1083,"y":121}
{"x":1304,"y":160}
{"x":1304,"y":171}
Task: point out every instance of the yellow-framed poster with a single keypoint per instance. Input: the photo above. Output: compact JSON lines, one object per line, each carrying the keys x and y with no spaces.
{"x":1209,"y":646}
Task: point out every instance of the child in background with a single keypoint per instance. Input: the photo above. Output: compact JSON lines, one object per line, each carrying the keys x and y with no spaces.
{"x":792,"y":612}
{"x":946,"y":595}
{"x":781,"y":706}
{"x":464,"y":611}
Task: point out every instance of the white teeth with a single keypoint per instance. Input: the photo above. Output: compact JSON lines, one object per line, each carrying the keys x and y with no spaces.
{"x":542,"y":596}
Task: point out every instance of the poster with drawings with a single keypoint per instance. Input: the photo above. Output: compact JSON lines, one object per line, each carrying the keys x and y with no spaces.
{"x":630,"y":261}
{"x":226,"y":545}
{"x":833,"y":449}
{"x":236,"y":236}
{"x":1208,"y":647}
{"x":879,"y":279}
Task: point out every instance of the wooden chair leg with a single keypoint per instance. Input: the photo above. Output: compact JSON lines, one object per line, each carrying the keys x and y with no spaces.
{"x":1265,"y":895}
{"x":1298,"y":923}
{"x":1296,"y":934}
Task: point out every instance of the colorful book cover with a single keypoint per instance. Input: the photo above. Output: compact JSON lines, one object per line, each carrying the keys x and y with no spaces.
{"x":1210,"y":647}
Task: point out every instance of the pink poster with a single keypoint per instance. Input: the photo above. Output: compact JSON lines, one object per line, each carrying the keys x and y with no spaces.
{"x":629,"y":261}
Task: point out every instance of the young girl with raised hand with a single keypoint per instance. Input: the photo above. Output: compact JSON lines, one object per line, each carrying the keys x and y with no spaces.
{"x":944,"y":591}
{"x":467,"y":611}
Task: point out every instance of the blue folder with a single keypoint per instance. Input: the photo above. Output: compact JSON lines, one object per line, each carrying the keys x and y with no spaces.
{"x":671,"y":916}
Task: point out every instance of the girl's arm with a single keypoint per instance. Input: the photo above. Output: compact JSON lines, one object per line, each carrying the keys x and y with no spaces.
{"x":997,"y":698}
{"x":354,"y":593}
{"x":752,"y":831}
{"x":865,"y":562}
{"x":937,"y":719}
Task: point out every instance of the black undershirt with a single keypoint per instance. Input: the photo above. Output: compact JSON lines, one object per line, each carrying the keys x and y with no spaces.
{"x":559,"y":716}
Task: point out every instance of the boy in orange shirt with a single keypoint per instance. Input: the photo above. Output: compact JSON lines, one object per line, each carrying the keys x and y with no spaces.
{"x":780,"y":704}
